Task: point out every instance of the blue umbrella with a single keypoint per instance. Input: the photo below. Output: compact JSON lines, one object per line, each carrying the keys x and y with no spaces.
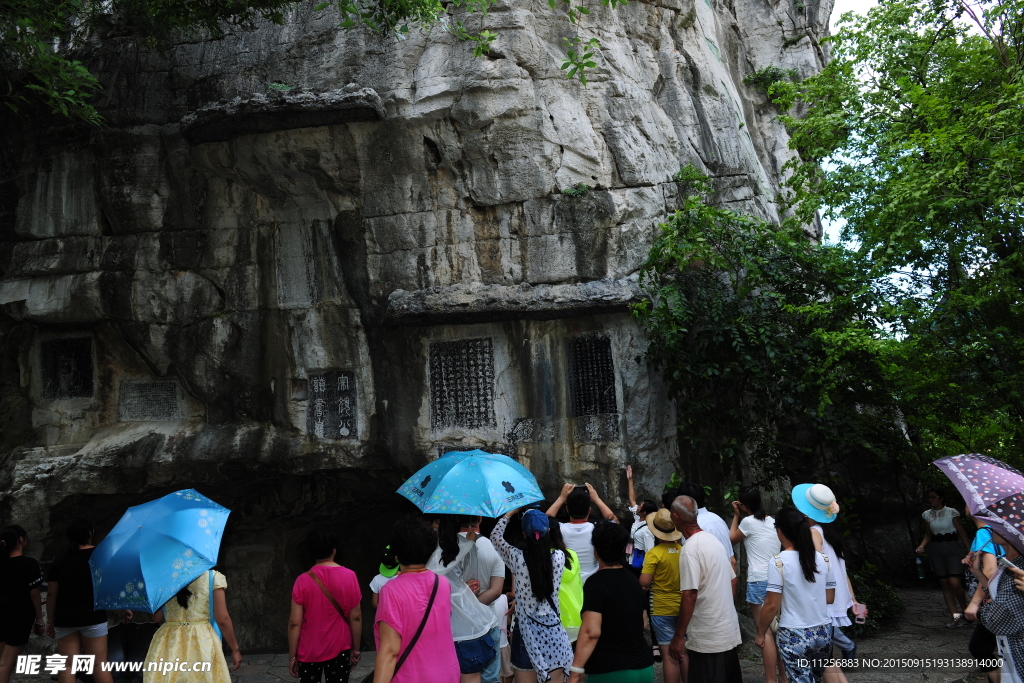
{"x":155,"y":550}
{"x":472,"y":483}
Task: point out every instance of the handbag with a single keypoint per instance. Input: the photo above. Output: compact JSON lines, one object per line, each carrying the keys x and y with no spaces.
{"x":416,"y":636}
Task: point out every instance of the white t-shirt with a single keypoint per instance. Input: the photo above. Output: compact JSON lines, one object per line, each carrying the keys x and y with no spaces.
{"x":709,"y":521}
{"x":578,"y":538}
{"x":761,"y":543}
{"x":940,"y":521}
{"x":488,"y":562}
{"x":378,"y":581}
{"x":643,"y":539}
{"x":844,"y":601}
{"x":704,"y":566}
{"x":500,"y":608}
{"x":804,"y":604}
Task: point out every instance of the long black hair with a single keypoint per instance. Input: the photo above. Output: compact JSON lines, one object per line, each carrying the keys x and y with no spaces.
{"x":448,"y":538}
{"x":537,"y":554}
{"x":557,"y":542}
{"x":751,"y":497}
{"x":790,"y":522}
{"x":834,"y":537}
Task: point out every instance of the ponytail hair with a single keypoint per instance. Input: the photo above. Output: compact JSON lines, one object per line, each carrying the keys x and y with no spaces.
{"x":537,"y":554}
{"x":558,"y":542}
{"x":790,"y":522}
{"x":448,"y":538}
{"x":751,"y":497}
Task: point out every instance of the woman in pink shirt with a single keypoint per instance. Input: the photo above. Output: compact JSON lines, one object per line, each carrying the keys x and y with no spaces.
{"x":326,"y":623}
{"x":402,"y":608}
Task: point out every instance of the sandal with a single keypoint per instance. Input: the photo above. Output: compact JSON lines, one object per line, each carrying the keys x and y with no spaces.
{"x":958,"y":621}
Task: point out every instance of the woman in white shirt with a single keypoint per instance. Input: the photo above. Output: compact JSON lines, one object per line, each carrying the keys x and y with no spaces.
{"x":947,"y":544}
{"x":757,"y":532}
{"x":800,"y":588}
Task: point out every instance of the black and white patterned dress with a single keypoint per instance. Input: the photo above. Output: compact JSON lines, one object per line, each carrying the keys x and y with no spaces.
{"x":539,"y":621}
{"x":1004,"y":617}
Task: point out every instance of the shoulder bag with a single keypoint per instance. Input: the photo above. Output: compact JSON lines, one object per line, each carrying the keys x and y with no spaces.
{"x":416,"y":636}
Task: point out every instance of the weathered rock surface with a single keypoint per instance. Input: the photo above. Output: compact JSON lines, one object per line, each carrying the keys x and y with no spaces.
{"x":292,"y":300}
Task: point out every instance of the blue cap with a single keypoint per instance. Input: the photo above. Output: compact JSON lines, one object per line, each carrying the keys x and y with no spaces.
{"x":535,"y":523}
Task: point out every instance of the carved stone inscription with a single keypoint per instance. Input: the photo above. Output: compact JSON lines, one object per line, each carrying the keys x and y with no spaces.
{"x":67,"y":368}
{"x":331,"y":412}
{"x":462,"y":383}
{"x":148,"y":401}
{"x":593,"y":376}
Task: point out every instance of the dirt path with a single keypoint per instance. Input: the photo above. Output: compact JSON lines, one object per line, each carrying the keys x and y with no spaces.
{"x":920,"y":633}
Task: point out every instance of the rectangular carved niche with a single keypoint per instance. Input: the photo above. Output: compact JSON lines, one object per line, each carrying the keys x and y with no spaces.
{"x":67,"y":368}
{"x":462,"y":383}
{"x":331,"y":411}
{"x":593,"y":376}
{"x":149,"y":401}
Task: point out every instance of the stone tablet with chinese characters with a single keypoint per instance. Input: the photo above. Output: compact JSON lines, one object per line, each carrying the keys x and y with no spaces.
{"x":331,"y":410}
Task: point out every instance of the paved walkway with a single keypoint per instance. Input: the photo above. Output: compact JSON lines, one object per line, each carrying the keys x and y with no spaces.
{"x":919,"y":633}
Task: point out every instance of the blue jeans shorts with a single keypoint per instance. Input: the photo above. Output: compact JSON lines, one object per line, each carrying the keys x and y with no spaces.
{"x":474,"y":655}
{"x":519,"y":657}
{"x":756,"y":592}
{"x":664,"y":628}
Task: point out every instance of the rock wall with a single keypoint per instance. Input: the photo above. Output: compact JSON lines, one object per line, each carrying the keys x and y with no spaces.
{"x":291,"y":299}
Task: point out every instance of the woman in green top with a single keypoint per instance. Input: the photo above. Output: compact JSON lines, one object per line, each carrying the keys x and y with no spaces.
{"x":570,"y":590}
{"x":660,"y":574}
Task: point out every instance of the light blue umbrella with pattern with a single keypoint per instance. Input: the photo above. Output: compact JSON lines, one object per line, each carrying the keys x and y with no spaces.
{"x":155,"y":550}
{"x":472,"y":483}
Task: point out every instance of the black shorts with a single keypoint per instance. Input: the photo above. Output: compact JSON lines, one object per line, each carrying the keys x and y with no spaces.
{"x":16,"y":628}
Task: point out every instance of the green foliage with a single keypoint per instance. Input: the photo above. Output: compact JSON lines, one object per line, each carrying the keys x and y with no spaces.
{"x":767,"y":77}
{"x":912,"y":137}
{"x":882,"y":599}
{"x":578,"y":59}
{"x":39,"y":37}
{"x":732,"y":491}
{"x":692,"y":181}
{"x":769,"y":343}
{"x":577,"y":191}
{"x":673,"y":482}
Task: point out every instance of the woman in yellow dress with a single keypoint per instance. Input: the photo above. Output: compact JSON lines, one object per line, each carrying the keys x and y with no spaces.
{"x":186,"y":640}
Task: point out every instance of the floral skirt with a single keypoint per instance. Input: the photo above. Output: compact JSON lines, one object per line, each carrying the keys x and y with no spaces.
{"x":803,"y":651}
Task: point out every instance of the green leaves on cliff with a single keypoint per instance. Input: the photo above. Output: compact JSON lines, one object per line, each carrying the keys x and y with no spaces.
{"x":40,"y":38}
{"x":769,"y":343}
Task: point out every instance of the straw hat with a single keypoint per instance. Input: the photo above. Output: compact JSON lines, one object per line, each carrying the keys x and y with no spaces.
{"x":660,"y":524}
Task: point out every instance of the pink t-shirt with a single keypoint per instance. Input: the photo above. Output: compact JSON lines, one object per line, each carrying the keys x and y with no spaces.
{"x":402,"y":603}
{"x":324,"y":634}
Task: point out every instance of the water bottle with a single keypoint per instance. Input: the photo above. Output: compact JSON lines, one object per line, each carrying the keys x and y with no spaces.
{"x":920,"y":567}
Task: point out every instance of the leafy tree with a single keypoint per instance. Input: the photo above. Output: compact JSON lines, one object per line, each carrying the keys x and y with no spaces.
{"x":912,"y":136}
{"x":771,"y":344}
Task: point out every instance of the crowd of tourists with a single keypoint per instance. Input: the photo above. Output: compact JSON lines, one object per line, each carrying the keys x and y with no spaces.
{"x":566,"y":593}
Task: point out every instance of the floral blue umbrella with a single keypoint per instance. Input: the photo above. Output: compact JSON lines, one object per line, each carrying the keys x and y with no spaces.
{"x":472,"y":483}
{"x":155,"y":550}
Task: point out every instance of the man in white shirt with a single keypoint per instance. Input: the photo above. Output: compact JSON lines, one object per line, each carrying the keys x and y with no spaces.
{"x":707,"y":617}
{"x":578,"y":531}
{"x":708,"y":520}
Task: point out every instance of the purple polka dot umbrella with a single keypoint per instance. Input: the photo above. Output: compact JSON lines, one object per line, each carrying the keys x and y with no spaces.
{"x":993,"y":490}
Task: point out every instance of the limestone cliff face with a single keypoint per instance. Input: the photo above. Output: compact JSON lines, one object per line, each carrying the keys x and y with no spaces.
{"x":292,"y":299}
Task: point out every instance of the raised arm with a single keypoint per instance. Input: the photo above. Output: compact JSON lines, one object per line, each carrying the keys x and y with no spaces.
{"x":735,"y":535}
{"x":560,"y":501}
{"x":629,"y":483}
{"x":498,"y":538}
{"x":606,"y":512}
